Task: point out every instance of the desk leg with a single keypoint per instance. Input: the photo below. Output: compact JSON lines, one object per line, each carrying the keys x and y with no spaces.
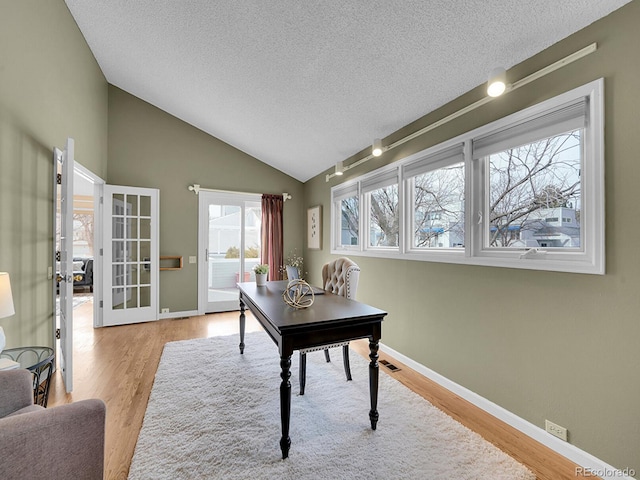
{"x":302,"y":376}
{"x":242,"y":324}
{"x":285,"y":404}
{"x":373,"y":382}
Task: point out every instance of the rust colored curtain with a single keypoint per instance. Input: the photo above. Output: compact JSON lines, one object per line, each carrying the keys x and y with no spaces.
{"x":272,"y":245}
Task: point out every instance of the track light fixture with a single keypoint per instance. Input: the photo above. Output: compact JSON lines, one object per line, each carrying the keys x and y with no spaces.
{"x":501,"y":74}
{"x":340,"y":168}
{"x":497,"y":83}
{"x":376,"y":149}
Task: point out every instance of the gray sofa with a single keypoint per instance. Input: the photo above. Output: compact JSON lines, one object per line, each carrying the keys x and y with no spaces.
{"x":60,"y":443}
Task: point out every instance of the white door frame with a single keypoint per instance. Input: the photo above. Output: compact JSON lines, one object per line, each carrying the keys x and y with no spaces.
{"x":98,"y":220}
{"x":63,"y":176}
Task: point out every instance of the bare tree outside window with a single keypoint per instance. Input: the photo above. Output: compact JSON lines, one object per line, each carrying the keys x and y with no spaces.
{"x":527,"y":185}
{"x":83,"y":230}
{"x":385,"y":219}
{"x":350,"y":208}
{"x":439,"y":208}
{"x":525,"y":191}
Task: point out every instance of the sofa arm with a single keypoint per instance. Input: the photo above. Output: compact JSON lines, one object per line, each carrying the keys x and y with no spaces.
{"x":57,"y":443}
{"x":16,"y":391}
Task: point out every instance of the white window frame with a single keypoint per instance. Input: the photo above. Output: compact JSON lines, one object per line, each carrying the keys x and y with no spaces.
{"x":423,"y":162}
{"x":589,"y":258}
{"x":339,"y":193}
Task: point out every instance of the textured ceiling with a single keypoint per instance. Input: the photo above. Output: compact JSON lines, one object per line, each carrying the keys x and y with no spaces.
{"x":302,"y":84}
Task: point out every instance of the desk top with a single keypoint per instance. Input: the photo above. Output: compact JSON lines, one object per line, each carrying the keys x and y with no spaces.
{"x":328,"y":310}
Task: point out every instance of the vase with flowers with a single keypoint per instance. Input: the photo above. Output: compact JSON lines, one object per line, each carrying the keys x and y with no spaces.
{"x":294,"y":266}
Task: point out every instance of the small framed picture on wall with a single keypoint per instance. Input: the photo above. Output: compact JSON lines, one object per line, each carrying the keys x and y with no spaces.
{"x":314,"y":228}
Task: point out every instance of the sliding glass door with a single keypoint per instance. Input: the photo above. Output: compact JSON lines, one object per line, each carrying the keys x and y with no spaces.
{"x":229,"y":247}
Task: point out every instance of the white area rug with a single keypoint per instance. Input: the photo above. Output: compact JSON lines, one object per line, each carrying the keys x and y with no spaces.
{"x":215,"y":414}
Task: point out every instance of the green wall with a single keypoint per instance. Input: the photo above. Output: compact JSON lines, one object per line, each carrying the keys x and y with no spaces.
{"x":543,"y":345}
{"x":540,"y":344}
{"x":150,"y":148}
{"x":51,"y":88}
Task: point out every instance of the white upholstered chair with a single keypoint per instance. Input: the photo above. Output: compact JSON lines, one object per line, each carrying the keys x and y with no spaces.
{"x":341,"y":278}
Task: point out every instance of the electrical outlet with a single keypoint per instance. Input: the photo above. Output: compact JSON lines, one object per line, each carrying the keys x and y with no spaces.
{"x":165,"y":310}
{"x":193,"y":259}
{"x":555,"y":430}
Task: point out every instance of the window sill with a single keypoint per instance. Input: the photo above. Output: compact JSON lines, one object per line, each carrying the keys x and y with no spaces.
{"x":460,"y":258}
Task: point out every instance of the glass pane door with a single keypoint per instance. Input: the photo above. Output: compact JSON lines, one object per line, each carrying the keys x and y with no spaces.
{"x":131,"y":262}
{"x":131,"y":259}
{"x":225,"y":239}
{"x":232,"y":239}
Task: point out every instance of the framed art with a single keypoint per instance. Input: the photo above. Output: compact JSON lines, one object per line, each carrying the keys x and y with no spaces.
{"x":314,"y":228}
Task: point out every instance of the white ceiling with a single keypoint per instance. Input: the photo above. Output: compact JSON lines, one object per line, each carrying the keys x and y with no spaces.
{"x":302,"y":84}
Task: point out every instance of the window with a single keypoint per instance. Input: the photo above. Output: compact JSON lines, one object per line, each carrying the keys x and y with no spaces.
{"x":384,"y":221}
{"x":350,"y":211}
{"x":530,"y":182}
{"x":381,"y":196}
{"x":526,"y":191}
{"x":435,"y":184}
{"x":346,"y":207}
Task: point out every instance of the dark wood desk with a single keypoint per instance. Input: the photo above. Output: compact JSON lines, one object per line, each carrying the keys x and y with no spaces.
{"x":330,"y":319}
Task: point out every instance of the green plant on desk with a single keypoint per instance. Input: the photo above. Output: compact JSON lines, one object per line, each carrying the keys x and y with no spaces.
{"x":261,"y":268}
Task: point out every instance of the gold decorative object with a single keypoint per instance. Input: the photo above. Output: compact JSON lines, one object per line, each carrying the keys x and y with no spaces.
{"x":298,"y":294}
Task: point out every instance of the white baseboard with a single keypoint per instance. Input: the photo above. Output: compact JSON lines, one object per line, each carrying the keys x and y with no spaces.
{"x":187,"y":313}
{"x":591,"y":465}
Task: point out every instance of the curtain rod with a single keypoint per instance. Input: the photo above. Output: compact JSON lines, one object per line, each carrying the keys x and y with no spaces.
{"x":514,"y":86}
{"x":196,"y":188}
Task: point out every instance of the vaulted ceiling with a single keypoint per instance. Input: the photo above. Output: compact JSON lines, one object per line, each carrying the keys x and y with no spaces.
{"x":303,"y":84}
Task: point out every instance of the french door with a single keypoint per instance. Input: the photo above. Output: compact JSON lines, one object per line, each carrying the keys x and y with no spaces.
{"x":130,"y":251}
{"x":63,"y":245}
{"x":229,"y":247}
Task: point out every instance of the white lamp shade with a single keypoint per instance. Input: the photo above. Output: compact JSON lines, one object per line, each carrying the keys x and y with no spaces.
{"x":340,"y":168}
{"x":6,"y":298}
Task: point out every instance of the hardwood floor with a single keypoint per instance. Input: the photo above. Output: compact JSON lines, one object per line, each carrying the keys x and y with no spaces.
{"x":118,"y":365}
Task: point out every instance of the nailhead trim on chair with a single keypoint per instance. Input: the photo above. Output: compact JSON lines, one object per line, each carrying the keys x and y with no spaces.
{"x":323,"y":347}
{"x":339,"y":279}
